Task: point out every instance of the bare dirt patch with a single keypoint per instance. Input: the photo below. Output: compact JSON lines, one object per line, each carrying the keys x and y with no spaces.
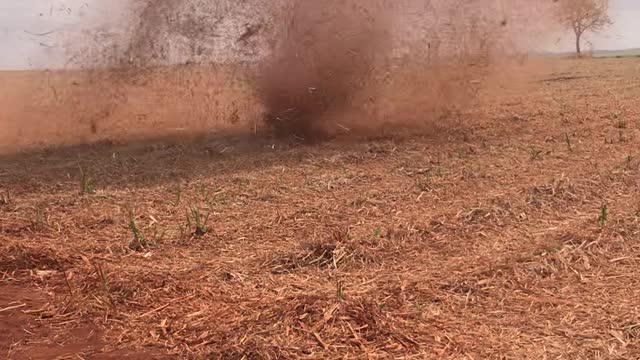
{"x":27,"y":331}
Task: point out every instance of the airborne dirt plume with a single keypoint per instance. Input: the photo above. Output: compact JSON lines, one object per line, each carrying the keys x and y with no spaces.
{"x":327,"y":54}
{"x":368,"y":63}
{"x":290,"y":67}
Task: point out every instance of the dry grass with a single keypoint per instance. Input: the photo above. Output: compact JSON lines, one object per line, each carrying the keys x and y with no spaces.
{"x":455,"y":244}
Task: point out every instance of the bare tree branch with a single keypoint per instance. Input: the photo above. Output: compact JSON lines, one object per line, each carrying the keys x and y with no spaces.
{"x":583,"y":16}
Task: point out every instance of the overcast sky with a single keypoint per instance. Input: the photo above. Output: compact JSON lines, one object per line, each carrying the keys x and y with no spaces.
{"x":32,"y":32}
{"x":625,"y":32}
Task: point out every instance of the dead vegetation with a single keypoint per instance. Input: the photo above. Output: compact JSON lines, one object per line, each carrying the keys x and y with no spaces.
{"x":453,"y":244}
{"x":506,"y":226}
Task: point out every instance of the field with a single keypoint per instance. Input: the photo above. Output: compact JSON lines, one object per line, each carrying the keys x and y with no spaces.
{"x":509,"y":232}
{"x":618,"y":54}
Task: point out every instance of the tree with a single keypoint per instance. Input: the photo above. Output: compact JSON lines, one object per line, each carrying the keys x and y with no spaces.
{"x":583,"y":16}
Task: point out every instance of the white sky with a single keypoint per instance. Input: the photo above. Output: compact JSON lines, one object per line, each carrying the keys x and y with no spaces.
{"x":20,"y":19}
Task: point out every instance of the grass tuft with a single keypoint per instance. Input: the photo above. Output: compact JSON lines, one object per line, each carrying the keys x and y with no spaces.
{"x":85,"y":182}
{"x":198,"y":221}
{"x":621,"y":137}
{"x":5,"y":198}
{"x":178,"y":197}
{"x":535,"y":153}
{"x":139,"y":241}
{"x":40,"y":219}
{"x":602,"y":218}
{"x":567,"y":140}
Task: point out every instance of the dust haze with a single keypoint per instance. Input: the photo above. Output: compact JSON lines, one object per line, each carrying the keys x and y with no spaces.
{"x":292,"y":68}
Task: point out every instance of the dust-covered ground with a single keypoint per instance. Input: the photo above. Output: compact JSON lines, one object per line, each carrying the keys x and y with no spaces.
{"x":508,"y":230}
{"x":57,"y":108}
